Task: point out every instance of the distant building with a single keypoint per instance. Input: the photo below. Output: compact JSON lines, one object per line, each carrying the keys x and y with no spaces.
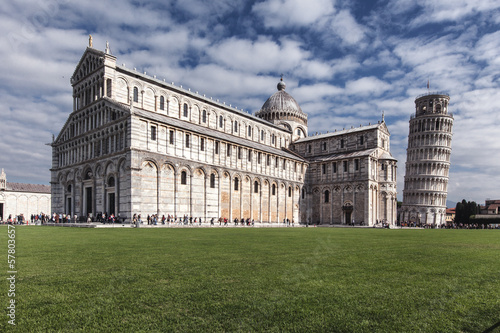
{"x":428,"y":161}
{"x":450,"y":215}
{"x":134,"y":144}
{"x":491,"y":207}
{"x":490,"y":214}
{"x":18,"y":199}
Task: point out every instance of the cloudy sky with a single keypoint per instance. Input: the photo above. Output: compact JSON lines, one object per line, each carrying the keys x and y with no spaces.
{"x":345,"y":62}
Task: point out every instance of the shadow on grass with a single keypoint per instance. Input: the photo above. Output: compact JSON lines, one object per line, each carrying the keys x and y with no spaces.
{"x":492,"y":328}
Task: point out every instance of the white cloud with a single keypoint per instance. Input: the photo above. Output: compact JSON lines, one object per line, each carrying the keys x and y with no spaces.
{"x":291,"y":13}
{"x":452,"y":10}
{"x":262,"y":55}
{"x":487,"y":49}
{"x":345,"y":26}
{"x":314,"y":69}
{"x":366,"y":86}
{"x":313,"y":93}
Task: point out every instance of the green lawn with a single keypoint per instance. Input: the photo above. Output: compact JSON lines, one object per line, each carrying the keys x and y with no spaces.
{"x":244,"y":279}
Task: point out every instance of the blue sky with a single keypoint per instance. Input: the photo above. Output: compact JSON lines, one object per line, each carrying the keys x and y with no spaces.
{"x":345,"y":62}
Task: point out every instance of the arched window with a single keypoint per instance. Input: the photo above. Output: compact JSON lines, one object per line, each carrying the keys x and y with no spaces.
{"x":327,"y":196}
{"x":249,"y":130}
{"x":236,"y":184}
{"x":136,"y":94}
{"x":183,"y":178}
{"x":289,"y":191}
{"x":235,"y":126}
{"x":212,"y":180}
{"x":185,"y":110}
{"x":303,"y":193}
{"x":221,"y":122}
{"x":204,"y":116}
{"x":256,"y":187}
{"x":273,"y":190}
{"x":111,"y":182}
{"x":262,"y":135}
{"x":162,"y":103}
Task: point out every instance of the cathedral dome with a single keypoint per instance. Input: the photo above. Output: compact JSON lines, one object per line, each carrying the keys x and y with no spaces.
{"x":282,"y":106}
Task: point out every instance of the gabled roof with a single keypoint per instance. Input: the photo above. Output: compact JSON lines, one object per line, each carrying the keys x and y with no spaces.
{"x":337,"y":156}
{"x":84,"y":56}
{"x":30,"y":188}
{"x":352,"y":154}
{"x":106,"y":100}
{"x":381,"y":126}
{"x":386,"y":156}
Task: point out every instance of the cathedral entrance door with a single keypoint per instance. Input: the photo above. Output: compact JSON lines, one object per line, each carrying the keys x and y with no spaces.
{"x":68,"y":206}
{"x":88,"y":200}
{"x":348,"y":217}
{"x":347,"y":209}
{"x":111,"y":203}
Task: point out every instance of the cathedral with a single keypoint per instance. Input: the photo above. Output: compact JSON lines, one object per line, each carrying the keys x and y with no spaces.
{"x":134,"y":144}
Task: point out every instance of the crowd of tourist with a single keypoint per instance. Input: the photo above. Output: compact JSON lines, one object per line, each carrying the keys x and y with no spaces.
{"x":184,"y":220}
{"x":448,"y":225}
{"x":41,"y":218}
{"x":469,"y":226}
{"x":187,"y":220}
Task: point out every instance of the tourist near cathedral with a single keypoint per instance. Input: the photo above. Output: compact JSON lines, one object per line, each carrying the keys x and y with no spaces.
{"x":134,"y":144}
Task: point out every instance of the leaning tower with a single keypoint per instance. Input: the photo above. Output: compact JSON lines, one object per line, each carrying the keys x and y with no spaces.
{"x":428,"y":161}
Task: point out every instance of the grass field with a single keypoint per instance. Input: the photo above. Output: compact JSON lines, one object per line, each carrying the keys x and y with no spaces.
{"x":244,"y":279}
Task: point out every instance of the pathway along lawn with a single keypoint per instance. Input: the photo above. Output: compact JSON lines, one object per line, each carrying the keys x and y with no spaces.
{"x":302,"y":280}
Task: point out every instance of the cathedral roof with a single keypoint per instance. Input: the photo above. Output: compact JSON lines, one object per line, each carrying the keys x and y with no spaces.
{"x":337,"y":156}
{"x":381,"y":125}
{"x":281,"y":101}
{"x":352,"y":154}
{"x":33,"y":188}
{"x":218,"y":134}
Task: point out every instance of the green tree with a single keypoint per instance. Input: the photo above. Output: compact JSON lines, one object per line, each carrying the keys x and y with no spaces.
{"x":459,"y":212}
{"x":464,"y":210}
